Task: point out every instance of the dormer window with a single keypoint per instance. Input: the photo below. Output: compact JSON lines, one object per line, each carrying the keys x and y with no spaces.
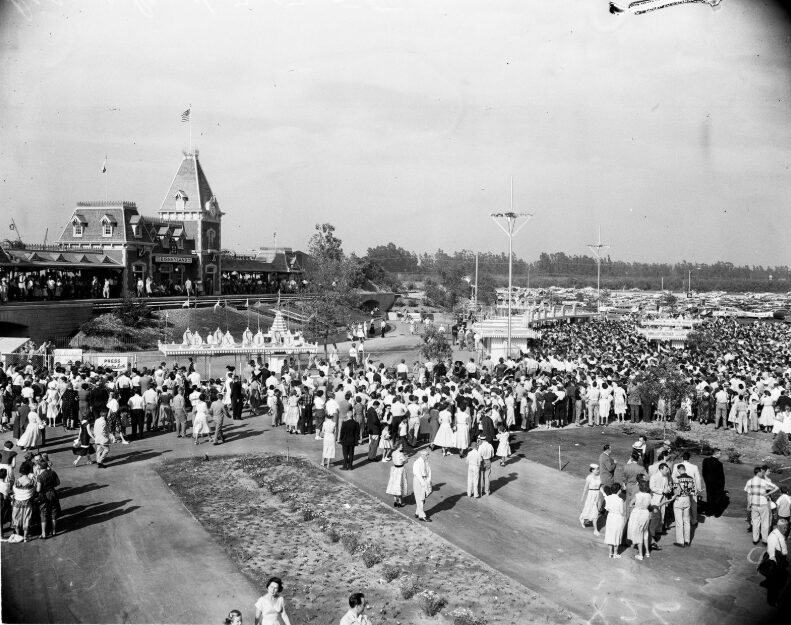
{"x":108,"y":225}
{"x":135,"y":230}
{"x":181,"y":200}
{"x":78,"y":225}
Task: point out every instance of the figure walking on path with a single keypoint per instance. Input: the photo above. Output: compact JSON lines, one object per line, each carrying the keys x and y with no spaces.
{"x":421,"y":483}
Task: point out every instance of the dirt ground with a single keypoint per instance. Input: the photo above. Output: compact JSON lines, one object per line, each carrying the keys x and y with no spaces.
{"x":296,"y":521}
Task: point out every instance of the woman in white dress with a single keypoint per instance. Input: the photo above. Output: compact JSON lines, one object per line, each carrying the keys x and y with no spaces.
{"x":32,"y":435}
{"x":510,"y":414}
{"x":605,"y":403}
{"x":270,"y":609}
{"x":591,"y":498}
{"x":328,"y":435}
{"x":445,"y":437}
{"x":619,"y":403}
{"x":397,"y":485}
{"x":613,"y":528}
{"x":767,"y":418}
{"x":462,"y":430}
{"x":200,"y":419}
{"x":52,"y":400}
{"x":292,"y":413}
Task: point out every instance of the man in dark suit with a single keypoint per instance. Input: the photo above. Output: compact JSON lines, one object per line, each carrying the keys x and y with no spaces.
{"x":237,"y":399}
{"x":487,"y":428}
{"x":606,"y":466}
{"x":350,"y":434}
{"x":374,"y":430}
{"x":714,"y":477}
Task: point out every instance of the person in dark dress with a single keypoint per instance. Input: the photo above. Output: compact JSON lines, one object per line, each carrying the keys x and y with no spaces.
{"x":20,"y":423}
{"x":714,"y":477}
{"x":69,"y":407}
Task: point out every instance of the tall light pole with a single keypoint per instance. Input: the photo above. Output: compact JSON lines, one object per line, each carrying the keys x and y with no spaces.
{"x":597,"y":248}
{"x":509,"y":223}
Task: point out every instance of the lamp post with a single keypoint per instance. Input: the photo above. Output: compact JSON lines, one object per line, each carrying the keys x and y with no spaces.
{"x":509,"y":223}
{"x":596,"y":248}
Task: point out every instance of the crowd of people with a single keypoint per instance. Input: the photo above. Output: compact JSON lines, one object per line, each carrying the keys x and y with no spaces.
{"x":585,"y":374}
{"x":27,"y":286}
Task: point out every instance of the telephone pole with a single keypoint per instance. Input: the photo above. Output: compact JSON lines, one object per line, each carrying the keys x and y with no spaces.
{"x":509,"y":223}
{"x":597,"y":248}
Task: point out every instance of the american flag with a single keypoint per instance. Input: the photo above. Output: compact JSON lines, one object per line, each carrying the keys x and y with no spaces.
{"x":185,"y":116}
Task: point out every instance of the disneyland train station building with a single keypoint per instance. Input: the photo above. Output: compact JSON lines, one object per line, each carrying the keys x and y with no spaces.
{"x":111,"y":242}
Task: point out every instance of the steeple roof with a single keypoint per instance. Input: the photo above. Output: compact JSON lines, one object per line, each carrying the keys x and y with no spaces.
{"x":189,"y":183}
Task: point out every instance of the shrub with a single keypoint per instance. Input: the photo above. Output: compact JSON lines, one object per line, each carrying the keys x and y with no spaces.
{"x":431,"y":603}
{"x":410,"y":586}
{"x":308,"y":514}
{"x":390,"y":572}
{"x":465,"y":616}
{"x":372,"y":555}
{"x":350,"y":542}
{"x":774,"y":466}
{"x":332,"y":533}
{"x":781,"y":446}
{"x":734,"y":455}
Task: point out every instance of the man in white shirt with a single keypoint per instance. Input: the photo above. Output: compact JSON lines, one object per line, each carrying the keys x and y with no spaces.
{"x":474,"y":472}
{"x":102,"y":439}
{"x":194,"y":378}
{"x":421,"y":483}
{"x":355,"y":615}
{"x":721,"y":411}
{"x":486,"y":452}
{"x":151,"y":399}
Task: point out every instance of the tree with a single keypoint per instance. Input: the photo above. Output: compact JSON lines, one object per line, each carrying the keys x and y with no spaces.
{"x":332,"y":277}
{"x":324,"y":245}
{"x":665,"y":379}
{"x":435,"y":345}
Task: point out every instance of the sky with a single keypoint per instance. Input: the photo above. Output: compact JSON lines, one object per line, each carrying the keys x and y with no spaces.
{"x":405,"y":121}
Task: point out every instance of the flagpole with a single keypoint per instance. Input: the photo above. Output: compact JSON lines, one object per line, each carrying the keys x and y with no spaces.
{"x":189,"y":124}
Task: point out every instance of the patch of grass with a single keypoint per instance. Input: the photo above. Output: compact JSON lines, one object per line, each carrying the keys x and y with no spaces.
{"x":390,"y":572}
{"x":431,"y":603}
{"x":409,"y":586}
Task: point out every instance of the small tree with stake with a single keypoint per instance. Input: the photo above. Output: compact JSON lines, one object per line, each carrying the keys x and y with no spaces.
{"x":435,"y":345}
{"x":665,"y":379}
{"x":331,"y":278}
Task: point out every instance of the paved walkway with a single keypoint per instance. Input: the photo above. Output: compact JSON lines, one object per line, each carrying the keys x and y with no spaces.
{"x":132,"y":553}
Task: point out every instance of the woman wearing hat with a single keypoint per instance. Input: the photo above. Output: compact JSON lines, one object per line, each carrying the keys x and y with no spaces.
{"x":591,"y":499}
{"x":397,"y":485}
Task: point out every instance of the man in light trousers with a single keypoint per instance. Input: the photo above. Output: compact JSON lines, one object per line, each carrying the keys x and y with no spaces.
{"x":474,"y":472}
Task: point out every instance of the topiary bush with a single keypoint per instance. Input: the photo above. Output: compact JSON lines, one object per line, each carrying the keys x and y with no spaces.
{"x":465,"y":616}
{"x":372,"y":555}
{"x":410,"y":586}
{"x":390,"y":572}
{"x":431,"y":603}
{"x":350,"y":542}
{"x":781,"y":446}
